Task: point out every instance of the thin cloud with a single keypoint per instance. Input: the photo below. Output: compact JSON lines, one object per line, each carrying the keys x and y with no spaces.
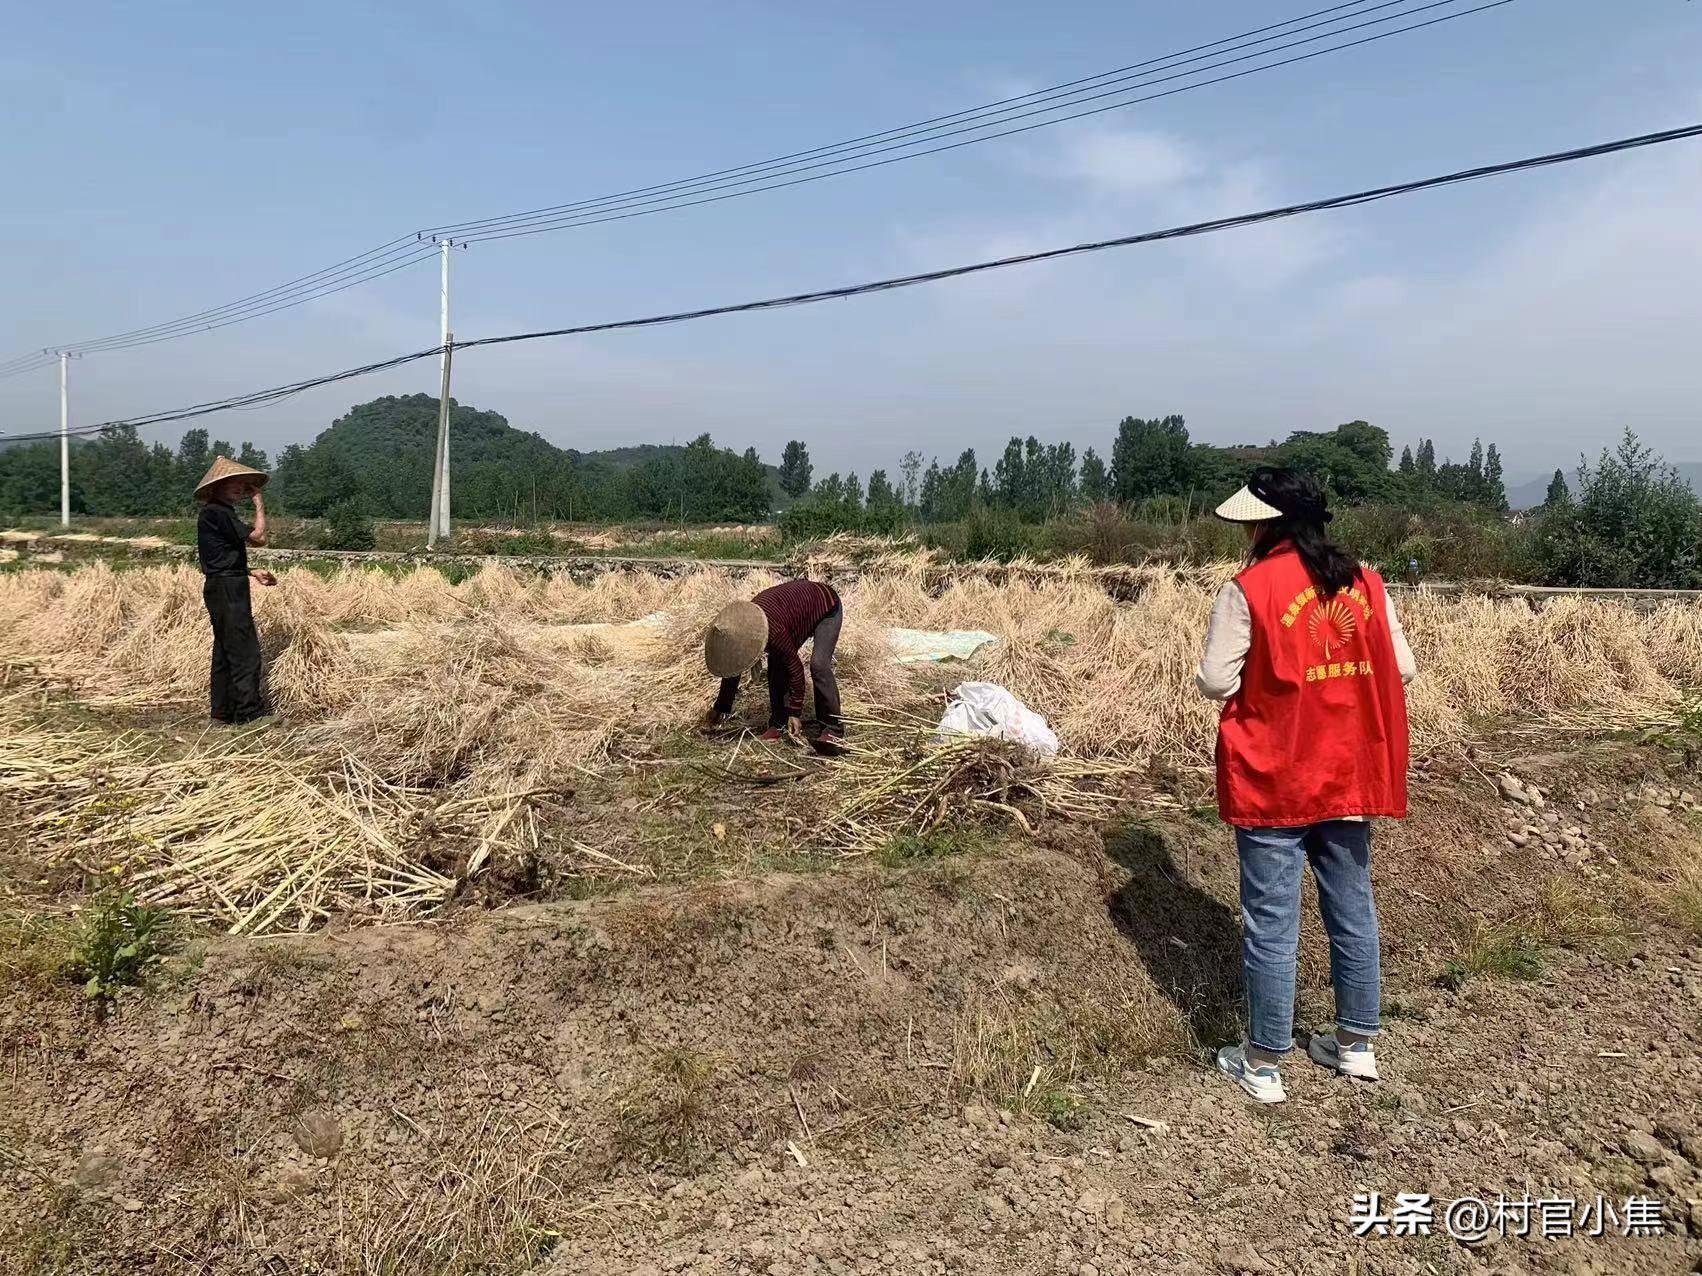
{"x":1124,"y":162}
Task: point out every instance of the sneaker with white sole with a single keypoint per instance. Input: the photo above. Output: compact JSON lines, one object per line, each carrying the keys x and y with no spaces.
{"x":1358,"y":1061}
{"x":1262,"y":1082}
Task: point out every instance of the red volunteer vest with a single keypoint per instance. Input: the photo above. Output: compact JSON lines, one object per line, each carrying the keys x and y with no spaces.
{"x":1318,"y":730}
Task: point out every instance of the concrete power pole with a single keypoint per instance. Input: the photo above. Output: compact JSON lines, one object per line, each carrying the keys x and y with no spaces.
{"x":440,"y":503}
{"x":64,"y":439}
{"x":440,"y":473}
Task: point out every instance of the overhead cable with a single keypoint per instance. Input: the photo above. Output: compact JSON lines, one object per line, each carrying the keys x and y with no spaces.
{"x":597,"y":212}
{"x":909,"y":281}
{"x":799,"y":167}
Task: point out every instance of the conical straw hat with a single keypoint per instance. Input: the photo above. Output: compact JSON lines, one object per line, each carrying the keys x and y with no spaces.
{"x":1245,"y":507}
{"x":224,"y":468}
{"x":735,"y":639}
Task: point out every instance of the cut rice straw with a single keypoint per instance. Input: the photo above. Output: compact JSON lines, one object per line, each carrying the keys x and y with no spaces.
{"x":400,"y":691}
{"x":250,"y":836}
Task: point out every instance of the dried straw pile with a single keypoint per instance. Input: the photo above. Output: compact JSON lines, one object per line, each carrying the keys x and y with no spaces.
{"x":911,"y":784}
{"x":428,"y":715}
{"x":249,"y":833}
{"x":430,"y":682}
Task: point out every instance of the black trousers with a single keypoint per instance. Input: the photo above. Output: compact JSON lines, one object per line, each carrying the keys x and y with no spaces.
{"x":235,"y":690}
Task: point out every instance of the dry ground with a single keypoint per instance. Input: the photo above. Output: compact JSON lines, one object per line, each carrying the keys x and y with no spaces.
{"x":921,"y":1063}
{"x":662,"y":1011}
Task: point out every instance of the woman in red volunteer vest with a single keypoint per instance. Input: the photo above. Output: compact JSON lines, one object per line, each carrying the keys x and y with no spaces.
{"x":1307,"y":654}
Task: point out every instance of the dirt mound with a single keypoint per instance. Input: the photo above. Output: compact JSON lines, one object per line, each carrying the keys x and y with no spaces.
{"x":250,"y":1109}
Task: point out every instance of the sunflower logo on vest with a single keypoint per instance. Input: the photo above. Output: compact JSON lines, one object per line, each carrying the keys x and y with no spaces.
{"x":1332,"y":626}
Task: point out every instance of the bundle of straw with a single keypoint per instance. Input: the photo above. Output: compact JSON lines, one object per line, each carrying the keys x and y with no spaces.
{"x":248,"y":834}
{"x":912,"y":784}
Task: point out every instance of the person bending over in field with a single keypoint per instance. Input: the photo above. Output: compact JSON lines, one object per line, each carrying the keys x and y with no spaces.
{"x":221,"y":543}
{"x":1307,"y":654}
{"x":780,"y":620}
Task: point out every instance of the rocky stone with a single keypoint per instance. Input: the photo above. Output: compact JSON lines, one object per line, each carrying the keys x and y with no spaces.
{"x":1664,"y":1177}
{"x":1681,"y":1135}
{"x":1092,"y":1202}
{"x":1642,"y":1148}
{"x":96,"y":1171}
{"x":319,"y":1134}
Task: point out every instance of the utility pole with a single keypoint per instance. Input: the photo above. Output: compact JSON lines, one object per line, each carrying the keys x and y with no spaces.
{"x":440,"y":472}
{"x":440,"y":512}
{"x":64,"y":439}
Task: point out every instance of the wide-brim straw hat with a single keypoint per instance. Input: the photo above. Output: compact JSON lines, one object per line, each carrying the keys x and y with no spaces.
{"x":224,"y":468}
{"x":1244,"y":507}
{"x":735,"y":639}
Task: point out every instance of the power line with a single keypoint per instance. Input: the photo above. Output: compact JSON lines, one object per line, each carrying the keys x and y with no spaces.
{"x":1069,"y":88}
{"x":908,"y":281}
{"x":23,"y":363}
{"x":913,"y":140}
{"x":18,"y":372}
{"x":415,"y":254}
{"x":1127,"y":96}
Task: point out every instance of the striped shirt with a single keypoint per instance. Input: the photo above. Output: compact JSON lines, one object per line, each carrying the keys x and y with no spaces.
{"x":794,"y":608}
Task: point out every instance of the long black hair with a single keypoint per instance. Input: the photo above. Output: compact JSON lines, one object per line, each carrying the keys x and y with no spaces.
{"x":1304,"y":514}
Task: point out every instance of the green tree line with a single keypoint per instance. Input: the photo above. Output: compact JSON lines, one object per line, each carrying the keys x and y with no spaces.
{"x":1149,"y":458}
{"x":1625,"y":519}
{"x":376,"y":462}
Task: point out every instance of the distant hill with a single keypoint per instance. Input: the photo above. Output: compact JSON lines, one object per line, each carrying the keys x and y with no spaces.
{"x":381,"y":453}
{"x":1530,"y":494}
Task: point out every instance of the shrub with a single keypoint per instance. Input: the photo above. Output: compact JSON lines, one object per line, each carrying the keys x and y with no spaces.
{"x":987,"y":533}
{"x":1634,"y":523}
{"x":347,"y":526}
{"x":1100,"y":532}
{"x":1450,"y":541}
{"x":524,"y":542}
{"x":816,"y":517}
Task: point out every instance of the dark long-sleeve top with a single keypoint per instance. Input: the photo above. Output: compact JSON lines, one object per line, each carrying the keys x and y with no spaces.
{"x":794,"y":608}
{"x":221,"y":541}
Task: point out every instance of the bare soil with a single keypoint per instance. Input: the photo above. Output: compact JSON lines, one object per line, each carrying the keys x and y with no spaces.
{"x":923,"y":1065}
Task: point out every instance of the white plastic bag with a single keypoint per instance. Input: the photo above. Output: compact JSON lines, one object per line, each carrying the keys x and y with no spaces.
{"x":986,"y":708}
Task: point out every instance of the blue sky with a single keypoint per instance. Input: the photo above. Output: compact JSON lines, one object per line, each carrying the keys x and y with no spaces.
{"x":180,"y":155}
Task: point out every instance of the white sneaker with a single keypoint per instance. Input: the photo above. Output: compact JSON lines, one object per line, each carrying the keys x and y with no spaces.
{"x":1351,"y":1061}
{"x":1262,"y":1082}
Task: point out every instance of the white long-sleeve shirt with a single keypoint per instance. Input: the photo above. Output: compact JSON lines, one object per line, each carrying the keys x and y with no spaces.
{"x":1229,"y":637}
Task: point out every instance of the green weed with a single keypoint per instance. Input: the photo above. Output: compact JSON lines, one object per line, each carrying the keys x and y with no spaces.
{"x":34,"y":951}
{"x":62,"y":1237}
{"x":1396,"y":1009}
{"x":943,"y":842}
{"x":1503,"y":953}
{"x":1566,"y":917}
{"x":1684,"y":899}
{"x":116,"y":945}
{"x":663,"y":1117}
{"x":1061,"y":1109}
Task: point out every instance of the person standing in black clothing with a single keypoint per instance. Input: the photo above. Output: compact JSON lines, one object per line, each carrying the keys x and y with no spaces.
{"x":221,"y":543}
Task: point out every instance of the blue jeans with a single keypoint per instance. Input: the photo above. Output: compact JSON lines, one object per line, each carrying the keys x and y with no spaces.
{"x":1271,"y":863}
